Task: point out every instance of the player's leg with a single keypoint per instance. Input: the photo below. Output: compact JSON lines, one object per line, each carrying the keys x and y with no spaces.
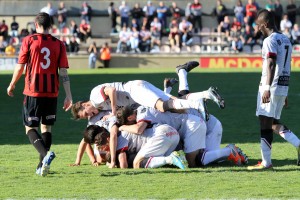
{"x":288,"y":135}
{"x":213,"y":134}
{"x":168,"y":84}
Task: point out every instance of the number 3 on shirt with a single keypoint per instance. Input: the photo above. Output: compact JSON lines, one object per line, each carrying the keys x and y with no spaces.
{"x":46,"y":57}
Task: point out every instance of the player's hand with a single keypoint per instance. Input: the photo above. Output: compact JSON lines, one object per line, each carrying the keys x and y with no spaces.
{"x":10,"y":90}
{"x":112,"y":165}
{"x":74,"y":165}
{"x":67,"y":104}
{"x":266,"y":96}
{"x":121,"y":128}
{"x":105,"y":117}
{"x":95,"y":164}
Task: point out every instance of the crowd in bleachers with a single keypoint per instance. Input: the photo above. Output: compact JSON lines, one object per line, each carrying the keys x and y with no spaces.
{"x":161,"y":27}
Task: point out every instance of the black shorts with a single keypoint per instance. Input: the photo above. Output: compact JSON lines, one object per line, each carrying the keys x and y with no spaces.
{"x":38,"y":110}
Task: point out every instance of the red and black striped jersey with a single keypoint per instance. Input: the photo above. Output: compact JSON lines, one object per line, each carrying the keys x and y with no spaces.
{"x":43,"y":55}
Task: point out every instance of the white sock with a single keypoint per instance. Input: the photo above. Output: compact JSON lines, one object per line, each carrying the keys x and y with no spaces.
{"x":290,"y":137}
{"x":185,"y":104}
{"x":198,"y":95}
{"x":168,"y":90}
{"x":183,"y":83}
{"x":155,"y":162}
{"x":211,"y":156}
{"x":265,"y":152}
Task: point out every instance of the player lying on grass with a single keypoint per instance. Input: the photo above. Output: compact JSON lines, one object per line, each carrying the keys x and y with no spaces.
{"x":110,"y":96}
{"x":153,"y":148}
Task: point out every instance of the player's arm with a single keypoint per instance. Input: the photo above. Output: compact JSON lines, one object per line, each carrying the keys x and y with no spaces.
{"x":271,"y":66}
{"x":137,"y":128}
{"x":112,"y":95}
{"x":16,"y":76}
{"x":113,"y":145}
{"x":80,"y":151}
{"x":123,"y":160}
{"x":63,"y":73}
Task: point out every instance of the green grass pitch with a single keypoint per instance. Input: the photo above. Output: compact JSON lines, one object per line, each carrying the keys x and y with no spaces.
{"x":18,"y":158}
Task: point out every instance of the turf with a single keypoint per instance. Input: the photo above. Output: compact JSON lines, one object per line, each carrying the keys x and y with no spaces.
{"x":18,"y":159}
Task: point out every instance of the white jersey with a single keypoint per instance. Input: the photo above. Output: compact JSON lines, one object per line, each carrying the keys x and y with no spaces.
{"x":100,"y":100}
{"x":97,"y":117}
{"x":279,"y":46}
{"x":107,"y":124}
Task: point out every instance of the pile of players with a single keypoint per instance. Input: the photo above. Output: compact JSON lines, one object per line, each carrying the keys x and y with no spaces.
{"x":134,"y":124}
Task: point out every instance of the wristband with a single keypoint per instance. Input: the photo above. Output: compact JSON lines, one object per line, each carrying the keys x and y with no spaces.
{"x":267,"y":87}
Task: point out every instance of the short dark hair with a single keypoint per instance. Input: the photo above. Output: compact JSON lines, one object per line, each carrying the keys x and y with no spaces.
{"x":266,"y":16}
{"x":95,"y":134}
{"x":123,"y":113}
{"x":44,"y":20}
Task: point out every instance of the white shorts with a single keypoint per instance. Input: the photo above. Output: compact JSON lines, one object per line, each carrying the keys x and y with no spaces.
{"x":272,"y":109}
{"x":162,"y":143}
{"x":145,"y":93}
{"x":193,"y":134}
{"x":213,"y":133}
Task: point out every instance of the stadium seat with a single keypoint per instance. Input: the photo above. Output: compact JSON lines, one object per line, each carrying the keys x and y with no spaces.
{"x":296,"y":48}
{"x":165,"y":49}
{"x":205,"y":49}
{"x":247,"y":49}
{"x":196,"y":49}
{"x":185,"y":49}
{"x":165,"y":40}
{"x":205,"y":30}
{"x":216,"y":49}
{"x":196,"y":40}
{"x":205,"y":40}
{"x":256,"y":48}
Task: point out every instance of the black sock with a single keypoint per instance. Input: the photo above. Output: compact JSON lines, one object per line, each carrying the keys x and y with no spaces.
{"x":183,"y":92}
{"x":198,"y":159}
{"x":47,"y":138}
{"x":38,"y":143}
{"x":144,"y":163}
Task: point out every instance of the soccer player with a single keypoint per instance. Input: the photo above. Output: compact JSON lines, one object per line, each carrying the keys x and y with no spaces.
{"x":154,"y":147}
{"x":273,"y":88}
{"x":112,"y":95}
{"x":45,"y":59}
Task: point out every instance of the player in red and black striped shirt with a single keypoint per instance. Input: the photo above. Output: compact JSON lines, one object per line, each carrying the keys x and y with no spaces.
{"x":45,"y":59}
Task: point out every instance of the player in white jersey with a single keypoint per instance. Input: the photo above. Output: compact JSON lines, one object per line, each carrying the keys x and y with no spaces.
{"x":273,"y":89}
{"x":118,"y":94}
{"x":154,"y":147}
{"x":212,"y":151}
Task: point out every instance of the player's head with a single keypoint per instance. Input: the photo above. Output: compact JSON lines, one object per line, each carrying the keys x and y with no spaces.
{"x":44,"y":21}
{"x":94,"y":134}
{"x":265,"y":21}
{"x":83,"y":110}
{"x":126,"y":115}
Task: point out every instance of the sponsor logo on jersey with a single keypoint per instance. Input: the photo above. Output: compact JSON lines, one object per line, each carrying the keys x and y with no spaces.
{"x":279,"y":42}
{"x":283,"y":80}
{"x":170,"y":134}
{"x":33,"y":119}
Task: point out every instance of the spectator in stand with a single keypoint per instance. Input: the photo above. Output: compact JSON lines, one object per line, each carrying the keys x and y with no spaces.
{"x":146,"y":23}
{"x":112,"y":11}
{"x":14,"y":26}
{"x":86,"y":12}
{"x":220,"y":11}
{"x":84,"y":31}
{"x":186,"y":34}
{"x":196,"y":11}
{"x":173,"y":22}
{"x":3,"y":44}
{"x":236,"y":24}
{"x":270,"y":6}
{"x":10,"y":50}
{"x":92,"y":50}
{"x":124,"y":39}
{"x":247,"y":36}
{"x":149,"y":11}
{"x":235,"y":40}
{"x":135,"y":24}
{"x":50,"y":10}
{"x":287,"y":33}
{"x":156,"y":23}
{"x":62,"y":11}
{"x":155,"y":37}
{"x":291,"y":10}
{"x":61,"y":22}
{"x":188,"y":13}
{"x":4,"y":30}
{"x":176,"y":11}
{"x":278,"y":13}
{"x":105,"y":55}
{"x":239,"y":11}
{"x":74,"y":28}
{"x":161,"y":11}
{"x":134,"y":40}
{"x":225,"y":26}
{"x":73,"y":45}
{"x":145,"y":39}
{"x":251,"y":11}
{"x":174,"y":38}
{"x":137,"y":13}
{"x":285,"y":23}
{"x":295,"y":34}
{"x":124,"y":13}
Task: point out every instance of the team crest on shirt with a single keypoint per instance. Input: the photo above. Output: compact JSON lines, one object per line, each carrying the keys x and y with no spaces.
{"x":143,"y":110}
{"x":278,"y":42}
